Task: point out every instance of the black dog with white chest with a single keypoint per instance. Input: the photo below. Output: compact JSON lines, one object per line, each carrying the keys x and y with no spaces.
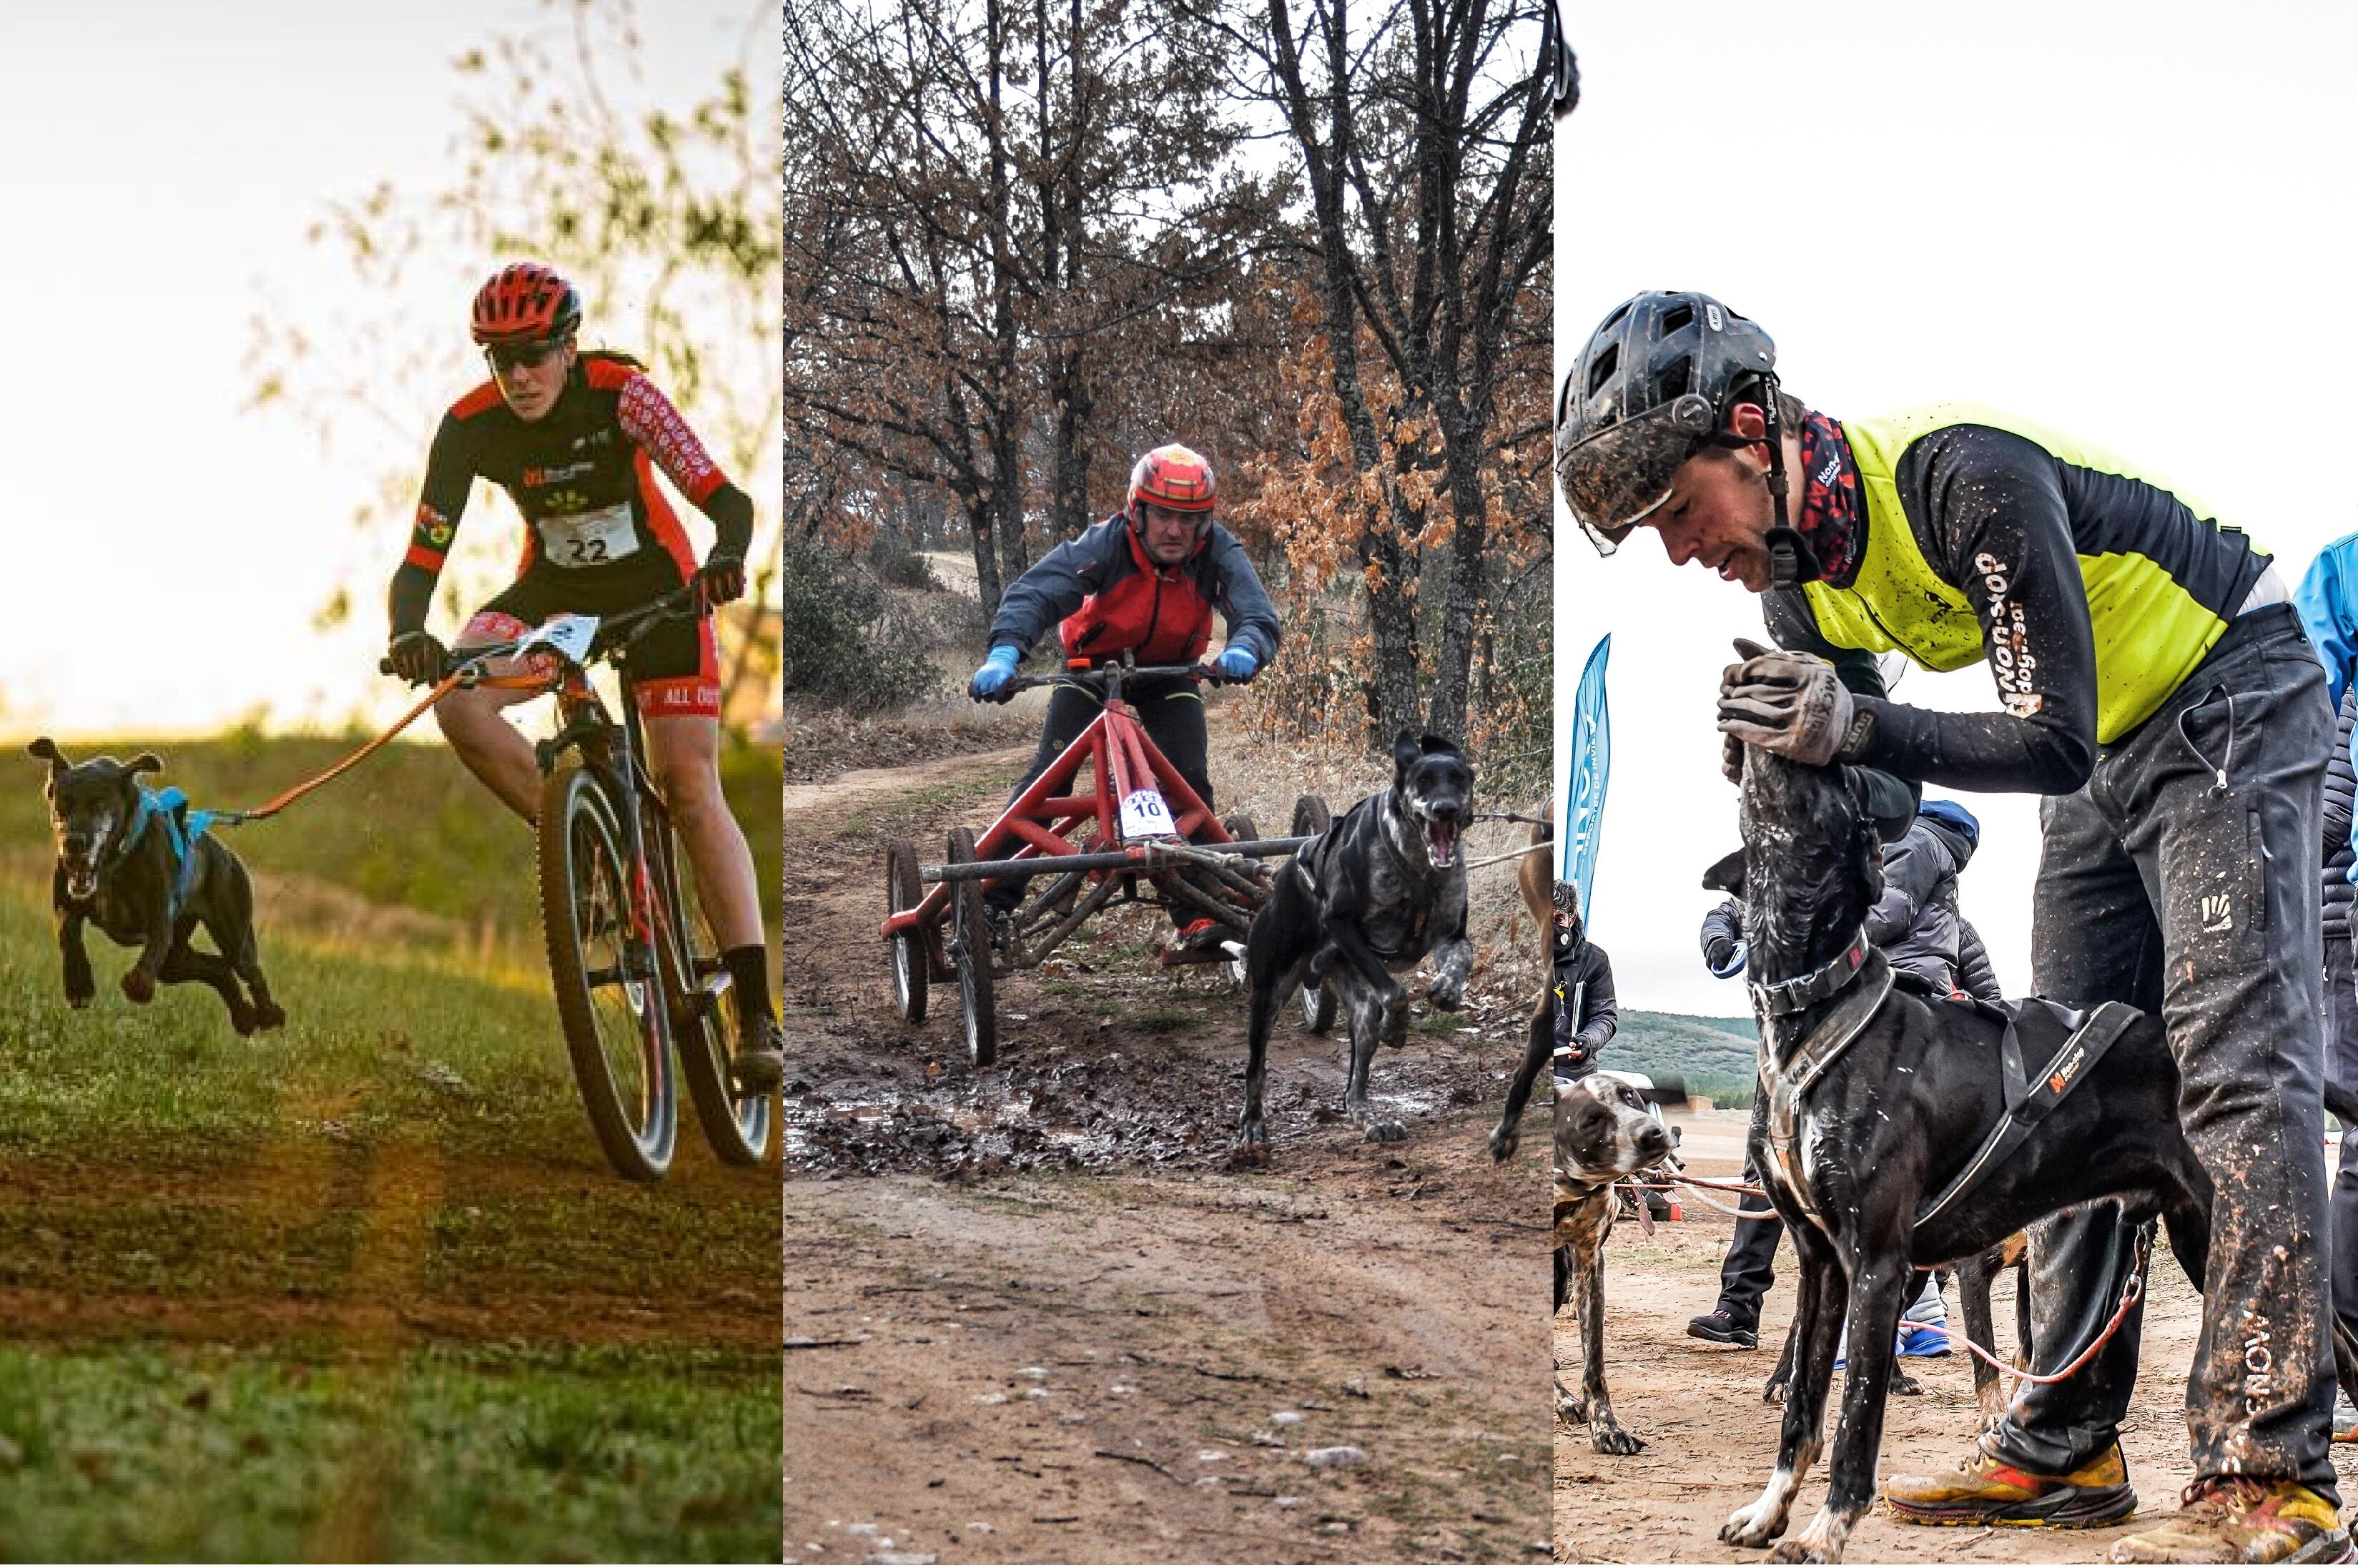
{"x":128,"y":865}
{"x":1878,"y":1100}
{"x":1381,"y":887}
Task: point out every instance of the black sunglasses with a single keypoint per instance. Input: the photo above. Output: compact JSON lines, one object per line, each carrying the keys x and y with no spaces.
{"x":531,"y":356}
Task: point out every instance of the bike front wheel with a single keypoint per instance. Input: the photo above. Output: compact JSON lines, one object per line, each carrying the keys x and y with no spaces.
{"x":599,"y":920}
{"x":705,"y":1019}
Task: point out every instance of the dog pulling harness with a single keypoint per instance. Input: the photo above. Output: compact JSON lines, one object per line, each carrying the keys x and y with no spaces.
{"x":182,"y":826}
{"x":2081,"y":1038}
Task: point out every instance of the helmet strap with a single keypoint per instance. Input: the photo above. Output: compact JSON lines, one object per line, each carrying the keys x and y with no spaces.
{"x":1791,"y":562}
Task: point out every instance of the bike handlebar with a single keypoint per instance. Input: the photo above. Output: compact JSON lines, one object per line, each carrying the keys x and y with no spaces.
{"x":617,"y":634}
{"x":1102,"y":676}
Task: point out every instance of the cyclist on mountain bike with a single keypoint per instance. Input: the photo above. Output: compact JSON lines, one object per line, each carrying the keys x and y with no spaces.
{"x":574,"y":437}
{"x":1145,"y":582}
{"x":2158,"y":689}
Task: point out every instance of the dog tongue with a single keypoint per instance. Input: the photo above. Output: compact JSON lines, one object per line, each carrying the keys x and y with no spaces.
{"x":1441,"y":841}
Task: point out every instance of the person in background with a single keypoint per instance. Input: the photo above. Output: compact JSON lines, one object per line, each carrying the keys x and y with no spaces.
{"x":1585,"y":1016}
{"x":2328,"y":601}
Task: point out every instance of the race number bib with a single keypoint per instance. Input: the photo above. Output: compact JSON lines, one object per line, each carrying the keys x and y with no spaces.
{"x":1145,"y":814}
{"x":588,"y":538}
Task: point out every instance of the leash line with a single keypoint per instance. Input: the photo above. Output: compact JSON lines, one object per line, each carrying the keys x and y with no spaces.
{"x":285,"y":798}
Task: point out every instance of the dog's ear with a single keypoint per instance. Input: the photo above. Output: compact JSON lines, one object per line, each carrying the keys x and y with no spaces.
{"x":1727,"y":873}
{"x":145,"y":763}
{"x":1429,"y":743}
{"x":46,"y":749}
{"x":1404,"y":752}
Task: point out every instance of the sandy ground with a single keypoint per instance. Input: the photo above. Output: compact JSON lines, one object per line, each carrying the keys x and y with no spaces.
{"x":1711,"y":1441}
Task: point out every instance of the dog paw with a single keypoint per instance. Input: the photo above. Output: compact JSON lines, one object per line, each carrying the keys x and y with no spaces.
{"x":1569,"y":1409}
{"x":269,"y":1015}
{"x":242,"y":1020}
{"x":1252,"y":1147}
{"x":1606,"y":1436}
{"x":1386,"y":1133}
{"x":139,"y":986}
{"x":1449,"y":997}
{"x":1504,"y":1143}
{"x":1755,"y":1524}
{"x":78,"y":998}
{"x":1772,"y":1392}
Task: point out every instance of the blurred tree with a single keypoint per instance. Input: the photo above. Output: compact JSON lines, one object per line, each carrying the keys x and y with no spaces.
{"x":665,"y":214}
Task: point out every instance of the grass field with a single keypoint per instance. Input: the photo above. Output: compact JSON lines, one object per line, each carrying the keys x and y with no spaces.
{"x":1716,"y":1056}
{"x":361,"y":1288}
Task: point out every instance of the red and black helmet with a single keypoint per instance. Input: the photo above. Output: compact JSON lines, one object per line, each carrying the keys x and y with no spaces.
{"x":525,"y":303}
{"x":1177,"y":477}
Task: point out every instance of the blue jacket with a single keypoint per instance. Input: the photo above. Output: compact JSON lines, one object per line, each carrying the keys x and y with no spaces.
{"x":2328,"y":601}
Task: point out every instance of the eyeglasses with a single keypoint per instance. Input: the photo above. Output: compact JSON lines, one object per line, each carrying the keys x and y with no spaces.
{"x":530,"y":356}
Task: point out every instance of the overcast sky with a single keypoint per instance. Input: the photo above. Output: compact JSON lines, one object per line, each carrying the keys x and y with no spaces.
{"x":2130,"y":222}
{"x":166,"y":551}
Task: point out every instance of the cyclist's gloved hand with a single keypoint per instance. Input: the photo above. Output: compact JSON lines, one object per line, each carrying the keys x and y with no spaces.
{"x":418,"y":658}
{"x":720,"y":580}
{"x":1237,"y":662}
{"x":996,"y":672}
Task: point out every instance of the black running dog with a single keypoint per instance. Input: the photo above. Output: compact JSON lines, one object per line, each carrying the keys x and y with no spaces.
{"x":129,"y":864}
{"x":1876,"y":1097}
{"x":1603,"y":1132}
{"x":1376,"y":892}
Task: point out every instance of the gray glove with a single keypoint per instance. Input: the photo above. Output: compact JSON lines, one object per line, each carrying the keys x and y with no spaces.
{"x":1791,"y":704}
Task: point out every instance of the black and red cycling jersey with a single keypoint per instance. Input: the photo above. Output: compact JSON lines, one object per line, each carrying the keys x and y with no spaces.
{"x":583,"y":476}
{"x":1106,"y":596}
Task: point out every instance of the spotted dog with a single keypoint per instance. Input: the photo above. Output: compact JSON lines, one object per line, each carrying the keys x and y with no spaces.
{"x":139,"y":867}
{"x":1382,"y":888}
{"x":1603,"y":1132}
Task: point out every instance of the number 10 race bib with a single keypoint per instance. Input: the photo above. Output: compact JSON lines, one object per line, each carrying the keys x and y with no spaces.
{"x":1145,"y":814}
{"x":588,"y":538}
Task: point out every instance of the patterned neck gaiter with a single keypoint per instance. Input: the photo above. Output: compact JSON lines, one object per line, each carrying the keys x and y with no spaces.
{"x":1832,"y":517}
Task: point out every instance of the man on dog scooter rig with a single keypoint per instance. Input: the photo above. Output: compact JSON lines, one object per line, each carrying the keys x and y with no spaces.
{"x":2158,"y":691}
{"x":574,"y":438}
{"x":1145,"y":583}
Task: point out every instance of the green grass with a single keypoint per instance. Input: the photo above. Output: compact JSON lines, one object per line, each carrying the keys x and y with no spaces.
{"x":147,"y":1453}
{"x":1716,"y":1056}
{"x":363,"y":1286}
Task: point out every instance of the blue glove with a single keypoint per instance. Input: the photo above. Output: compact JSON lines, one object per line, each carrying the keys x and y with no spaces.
{"x":996,"y":672}
{"x":1237,"y":662}
{"x":1734,"y":964}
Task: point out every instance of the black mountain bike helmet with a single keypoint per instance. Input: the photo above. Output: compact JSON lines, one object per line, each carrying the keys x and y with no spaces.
{"x":1653,"y":387}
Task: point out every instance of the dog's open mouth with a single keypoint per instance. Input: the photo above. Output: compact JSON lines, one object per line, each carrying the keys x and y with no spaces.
{"x":82,"y":878}
{"x":1441,"y":841}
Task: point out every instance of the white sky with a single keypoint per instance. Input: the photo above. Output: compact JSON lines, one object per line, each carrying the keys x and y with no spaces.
{"x":159,"y":167}
{"x":2131,"y":223}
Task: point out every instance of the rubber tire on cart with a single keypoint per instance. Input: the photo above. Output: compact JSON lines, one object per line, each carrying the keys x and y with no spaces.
{"x":970,"y":950}
{"x":910,"y":965}
{"x":1240,"y":829}
{"x":1318,"y":1004}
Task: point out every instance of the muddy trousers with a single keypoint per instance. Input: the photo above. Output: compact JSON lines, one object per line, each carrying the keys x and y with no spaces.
{"x":1170,"y":711}
{"x":2166,"y":888}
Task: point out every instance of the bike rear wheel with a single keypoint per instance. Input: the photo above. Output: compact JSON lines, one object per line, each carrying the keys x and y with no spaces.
{"x":910,"y":966}
{"x":970,"y":946}
{"x":602,"y":957}
{"x":706,"y":1016}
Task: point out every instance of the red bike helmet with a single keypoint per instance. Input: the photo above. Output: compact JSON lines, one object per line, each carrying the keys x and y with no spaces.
{"x":525,"y":303}
{"x":1177,"y":477}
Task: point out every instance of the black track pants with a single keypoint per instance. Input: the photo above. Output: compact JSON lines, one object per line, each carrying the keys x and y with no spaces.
{"x":2342,"y":1098}
{"x":2163,"y":887}
{"x":1751,"y":1265}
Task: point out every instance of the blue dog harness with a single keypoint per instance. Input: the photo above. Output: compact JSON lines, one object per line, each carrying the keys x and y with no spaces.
{"x":183,"y":825}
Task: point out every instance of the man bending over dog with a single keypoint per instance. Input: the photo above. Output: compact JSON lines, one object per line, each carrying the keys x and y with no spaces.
{"x":1143,"y":582}
{"x":573,"y":438}
{"x":2158,"y":691}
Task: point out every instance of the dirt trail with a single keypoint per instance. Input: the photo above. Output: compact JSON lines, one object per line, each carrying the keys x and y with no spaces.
{"x":1711,"y":1441}
{"x":1030,"y":1313}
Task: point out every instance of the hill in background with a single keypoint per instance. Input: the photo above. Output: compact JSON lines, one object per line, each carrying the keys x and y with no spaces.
{"x":1715,"y":1055}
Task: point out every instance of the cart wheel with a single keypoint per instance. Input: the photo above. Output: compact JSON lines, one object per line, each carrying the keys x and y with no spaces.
{"x":970,"y":949}
{"x":1318,"y":1008}
{"x":1311,"y":815}
{"x":902,"y":890}
{"x":1240,"y":829}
